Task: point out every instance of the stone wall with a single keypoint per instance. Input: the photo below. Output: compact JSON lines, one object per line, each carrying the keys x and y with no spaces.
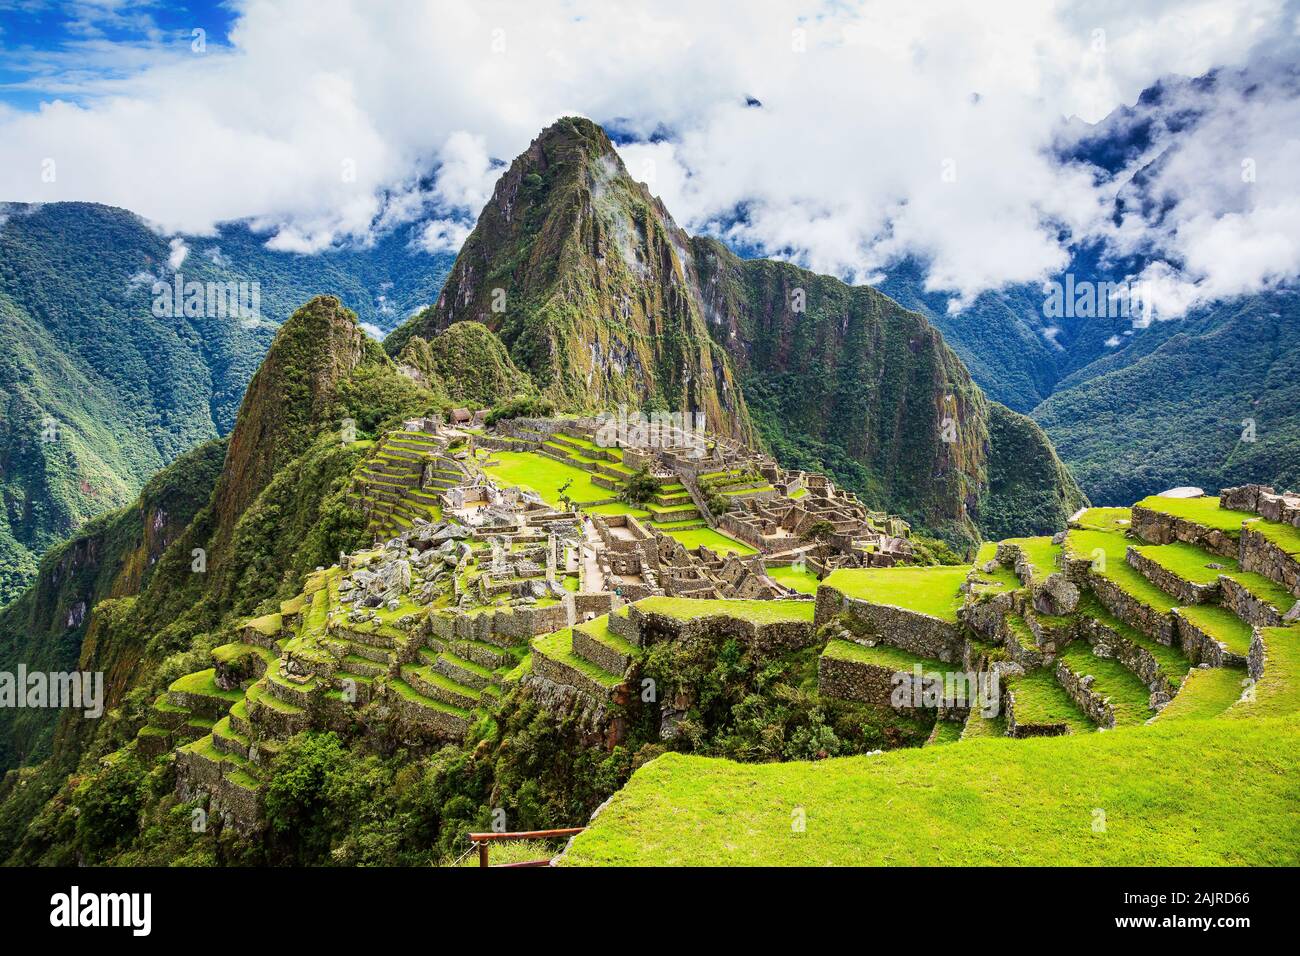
{"x":1079,"y":687}
{"x":1134,"y":613}
{"x":1201,"y":648}
{"x":1187,"y":592}
{"x":1159,"y":528}
{"x":778,"y":636}
{"x":855,"y":681}
{"x":198,"y":776}
{"x":1262,"y":556}
{"x":910,"y":631}
{"x":1017,"y":728}
{"x":1107,"y":642}
{"x":1238,"y":599}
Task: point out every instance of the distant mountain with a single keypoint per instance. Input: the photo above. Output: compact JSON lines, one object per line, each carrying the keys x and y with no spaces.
{"x":602,"y":298}
{"x":97,"y":392}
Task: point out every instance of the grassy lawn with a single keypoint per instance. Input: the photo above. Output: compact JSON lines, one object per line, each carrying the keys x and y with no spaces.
{"x":1203,"y":511}
{"x":1207,"y":692}
{"x":204,"y":683}
{"x":1114,"y":545}
{"x":1285,"y":536}
{"x":1188,"y":561}
{"x":1105,"y":519}
{"x":1127,"y":694}
{"x":1277,"y":693}
{"x":559,"y":647}
{"x":1041,"y":700}
{"x":882,"y":655}
{"x":803,"y":581}
{"x":524,"y":469}
{"x":1266,"y":590}
{"x":758,"y":612}
{"x":713,"y":540}
{"x":1188,"y":792}
{"x":1040,"y":553}
{"x":1221,"y":624}
{"x":933,"y":591}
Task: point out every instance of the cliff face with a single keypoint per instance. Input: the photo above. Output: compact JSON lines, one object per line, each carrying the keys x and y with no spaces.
{"x":583,"y":275}
{"x":843,"y":377}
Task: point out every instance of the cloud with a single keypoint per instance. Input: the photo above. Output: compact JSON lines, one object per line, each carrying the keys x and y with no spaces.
{"x":178,"y":251}
{"x":884,"y":130}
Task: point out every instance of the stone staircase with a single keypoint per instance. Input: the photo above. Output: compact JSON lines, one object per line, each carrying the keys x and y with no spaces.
{"x":401,"y":480}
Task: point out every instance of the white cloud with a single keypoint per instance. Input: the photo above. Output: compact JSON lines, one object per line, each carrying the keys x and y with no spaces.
{"x":322,"y":120}
{"x":178,"y":251}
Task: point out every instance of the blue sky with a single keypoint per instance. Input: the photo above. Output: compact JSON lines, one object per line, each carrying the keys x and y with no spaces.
{"x":62,"y":50}
{"x":853,"y":133}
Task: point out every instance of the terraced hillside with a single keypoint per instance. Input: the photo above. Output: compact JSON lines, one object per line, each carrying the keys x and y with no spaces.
{"x":1170,"y":625}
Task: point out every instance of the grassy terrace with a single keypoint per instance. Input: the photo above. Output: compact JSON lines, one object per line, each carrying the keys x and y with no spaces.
{"x":758,"y":612}
{"x":1173,"y":664}
{"x":1040,"y":553}
{"x":1113,"y":545}
{"x":1202,"y":511}
{"x":803,"y":581}
{"x":1187,"y":561}
{"x":1105,"y":519}
{"x":1185,"y":792}
{"x":1221,"y":624}
{"x":882,"y":655}
{"x":544,"y":475}
{"x":205,"y":684}
{"x":1284,"y":536}
{"x":559,"y":647}
{"x":933,"y":590}
{"x":1277,"y":693}
{"x":1270,"y":592}
{"x":1041,"y":700}
{"x":1128,"y":696}
{"x":1207,"y":692}
{"x":713,"y":540}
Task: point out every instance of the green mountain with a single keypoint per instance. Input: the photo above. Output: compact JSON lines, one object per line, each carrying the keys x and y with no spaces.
{"x":98,"y":393}
{"x":1210,"y":400}
{"x":598,"y":294}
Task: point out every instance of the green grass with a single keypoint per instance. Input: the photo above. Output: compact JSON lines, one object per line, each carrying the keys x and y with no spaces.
{"x":1129,"y":697}
{"x":559,"y":647}
{"x":1040,"y":553}
{"x":945,"y":732}
{"x":882,"y":655}
{"x":757,"y":612}
{"x":1202,"y":511}
{"x":1171,"y":661}
{"x":1284,"y":536}
{"x":1221,"y":624}
{"x":599,"y":629}
{"x":268,"y":624}
{"x":616,"y":508}
{"x":523,"y":469}
{"x":713,"y":540}
{"x":1187,"y":561}
{"x":1041,"y":700}
{"x":204,"y":683}
{"x":1105,"y":519}
{"x":933,"y":591}
{"x":803,"y":581}
{"x":1207,"y":692}
{"x":1266,"y":590}
{"x":798,"y":493}
{"x":1277,"y":692}
{"x":1185,"y":792}
{"x":1085,"y":544}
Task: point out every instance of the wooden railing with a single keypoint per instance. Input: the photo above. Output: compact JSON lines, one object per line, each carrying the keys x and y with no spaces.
{"x":484,"y":842}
